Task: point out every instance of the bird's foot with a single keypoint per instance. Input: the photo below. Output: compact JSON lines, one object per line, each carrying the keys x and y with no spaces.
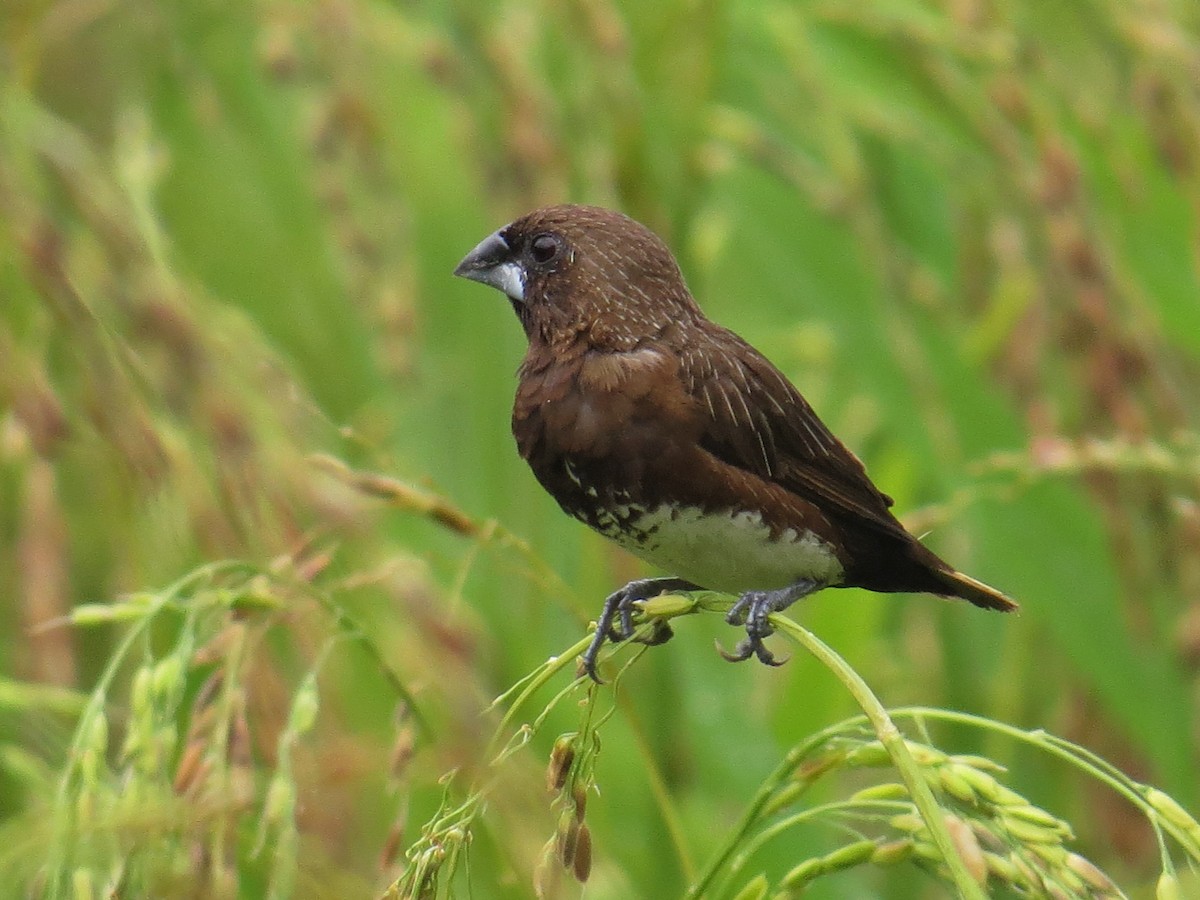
{"x":752,"y":610}
{"x":616,"y":618}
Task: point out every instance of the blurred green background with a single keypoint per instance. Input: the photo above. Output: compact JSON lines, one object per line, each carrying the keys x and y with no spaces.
{"x":966,"y":229}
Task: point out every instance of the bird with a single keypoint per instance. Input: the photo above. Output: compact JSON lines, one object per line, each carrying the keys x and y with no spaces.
{"x":673,"y":437}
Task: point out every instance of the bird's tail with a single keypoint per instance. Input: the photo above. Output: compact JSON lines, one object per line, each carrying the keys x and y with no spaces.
{"x":956,"y":584}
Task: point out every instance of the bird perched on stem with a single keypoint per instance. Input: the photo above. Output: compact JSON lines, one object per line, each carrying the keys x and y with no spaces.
{"x":673,"y":437}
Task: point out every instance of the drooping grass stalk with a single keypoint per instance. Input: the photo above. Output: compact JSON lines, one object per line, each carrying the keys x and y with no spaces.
{"x":407,"y":497}
{"x":226,"y":708}
{"x":354,"y":632}
{"x":524,"y":689}
{"x":1162,"y":812}
{"x":889,"y":735}
{"x":434,"y":857}
{"x":277,"y":827}
{"x":100,"y":831}
{"x":884,"y":729}
{"x":142,"y":610}
{"x":783,"y":786}
{"x":813,"y":813}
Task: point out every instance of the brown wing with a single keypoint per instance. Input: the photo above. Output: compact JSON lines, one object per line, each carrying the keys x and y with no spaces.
{"x":758,"y":422}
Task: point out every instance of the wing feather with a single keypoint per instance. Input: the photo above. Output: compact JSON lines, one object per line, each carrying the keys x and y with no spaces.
{"x":762,"y":424}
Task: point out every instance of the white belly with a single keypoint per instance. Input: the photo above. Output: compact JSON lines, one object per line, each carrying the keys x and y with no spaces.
{"x":728,"y":552}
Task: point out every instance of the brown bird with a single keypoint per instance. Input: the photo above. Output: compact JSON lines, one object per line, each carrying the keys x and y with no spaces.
{"x":678,"y":440}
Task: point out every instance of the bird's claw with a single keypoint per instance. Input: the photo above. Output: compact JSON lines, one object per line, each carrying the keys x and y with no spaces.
{"x":616,"y":618}
{"x":753,"y":610}
{"x":747,"y":647}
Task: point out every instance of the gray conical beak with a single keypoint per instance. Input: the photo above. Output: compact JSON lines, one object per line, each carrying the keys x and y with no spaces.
{"x":491,"y":263}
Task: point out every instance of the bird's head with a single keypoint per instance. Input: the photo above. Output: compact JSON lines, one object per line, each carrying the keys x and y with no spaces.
{"x":583,"y":272}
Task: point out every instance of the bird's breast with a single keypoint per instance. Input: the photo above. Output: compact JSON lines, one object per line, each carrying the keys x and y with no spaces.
{"x":600,"y":408}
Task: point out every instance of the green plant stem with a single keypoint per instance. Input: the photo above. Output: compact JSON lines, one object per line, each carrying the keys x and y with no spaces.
{"x":64,"y":807}
{"x":893,"y":742}
{"x":855,"y":807}
{"x":348,"y":625}
{"x":889,"y":736}
{"x":226,"y":709}
{"x":530,"y":686}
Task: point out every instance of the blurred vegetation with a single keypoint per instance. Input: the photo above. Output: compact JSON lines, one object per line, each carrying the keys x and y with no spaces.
{"x":966,"y":229}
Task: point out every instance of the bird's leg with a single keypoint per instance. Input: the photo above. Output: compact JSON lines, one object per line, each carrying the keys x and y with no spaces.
{"x":616,"y":618}
{"x":752,"y":609}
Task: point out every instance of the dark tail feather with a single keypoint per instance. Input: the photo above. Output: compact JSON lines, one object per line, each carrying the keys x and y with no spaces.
{"x":959,"y":585}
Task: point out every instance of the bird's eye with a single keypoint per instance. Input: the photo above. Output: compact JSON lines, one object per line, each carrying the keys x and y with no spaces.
{"x":545,"y":248}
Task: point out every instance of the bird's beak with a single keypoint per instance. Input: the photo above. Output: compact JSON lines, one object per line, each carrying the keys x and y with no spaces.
{"x":491,"y":263}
